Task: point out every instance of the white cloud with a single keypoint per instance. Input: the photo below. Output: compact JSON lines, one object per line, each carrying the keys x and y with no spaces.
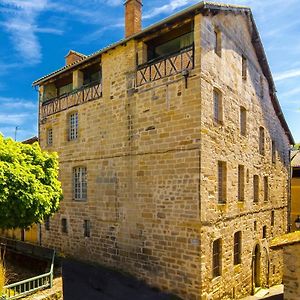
{"x":21,"y":23}
{"x":13,"y":119}
{"x":287,"y":75}
{"x":168,"y":8}
{"x":12,"y":103}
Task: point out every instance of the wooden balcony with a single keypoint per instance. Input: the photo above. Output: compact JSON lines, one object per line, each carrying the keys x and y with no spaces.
{"x":166,"y":66}
{"x":74,"y":98}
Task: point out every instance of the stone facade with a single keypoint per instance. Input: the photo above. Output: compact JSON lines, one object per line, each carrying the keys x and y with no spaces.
{"x":151,"y":153}
{"x":289,"y":244}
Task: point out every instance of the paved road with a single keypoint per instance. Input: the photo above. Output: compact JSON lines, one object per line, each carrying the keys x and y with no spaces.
{"x":87,"y":282}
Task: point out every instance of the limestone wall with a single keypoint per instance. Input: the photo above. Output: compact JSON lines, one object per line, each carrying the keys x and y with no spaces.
{"x":223,"y":142}
{"x":151,"y":155}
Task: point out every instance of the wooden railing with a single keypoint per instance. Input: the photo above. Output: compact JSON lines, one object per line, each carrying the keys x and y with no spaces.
{"x":76,"y":97}
{"x":166,"y":66}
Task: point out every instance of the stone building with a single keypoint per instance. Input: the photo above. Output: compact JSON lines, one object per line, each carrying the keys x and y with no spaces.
{"x":174,"y":154}
{"x":295,"y":187}
{"x":290,"y":245}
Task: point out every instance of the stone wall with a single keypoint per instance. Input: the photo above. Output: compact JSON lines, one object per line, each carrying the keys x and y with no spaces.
{"x":223,"y":142}
{"x":151,"y":155}
{"x":291,"y":277}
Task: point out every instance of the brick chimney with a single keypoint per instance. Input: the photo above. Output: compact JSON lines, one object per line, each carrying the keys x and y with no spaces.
{"x":133,"y":17}
{"x":73,"y":56}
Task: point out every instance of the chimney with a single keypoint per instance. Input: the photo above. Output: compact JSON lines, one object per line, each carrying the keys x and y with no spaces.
{"x":73,"y":56}
{"x":133,"y":17}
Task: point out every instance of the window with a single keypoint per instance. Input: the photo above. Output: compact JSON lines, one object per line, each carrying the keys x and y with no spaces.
{"x":216,"y":265}
{"x":171,"y":42}
{"x":49,"y":137}
{"x":80,"y":183}
{"x":218,"y":108}
{"x":64,"y":225}
{"x":255,"y":225}
{"x":47,"y":223}
{"x":237,"y":248}
{"x":244,"y":67}
{"x":255,"y":188}
{"x":241,"y":183}
{"x":73,"y":126}
{"x":264,"y":232}
{"x":87,"y":228}
{"x":272,"y":218}
{"x":261,"y":141}
{"x":218,"y":42}
{"x":243,"y":120}
{"x":222,"y":181}
{"x":273,"y":152}
{"x":266,"y":189}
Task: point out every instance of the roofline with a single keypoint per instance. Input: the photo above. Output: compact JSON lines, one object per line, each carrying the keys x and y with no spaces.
{"x":196,"y":8}
{"x":193,"y":10}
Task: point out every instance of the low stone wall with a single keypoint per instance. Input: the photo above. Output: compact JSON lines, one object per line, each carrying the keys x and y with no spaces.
{"x":290,"y":243}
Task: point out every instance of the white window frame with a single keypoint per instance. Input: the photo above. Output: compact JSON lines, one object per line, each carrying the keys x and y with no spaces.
{"x":73,"y":126}
{"x":80,"y":183}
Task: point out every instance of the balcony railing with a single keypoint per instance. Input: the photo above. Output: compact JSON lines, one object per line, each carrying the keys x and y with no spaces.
{"x":84,"y":94}
{"x":166,"y":66}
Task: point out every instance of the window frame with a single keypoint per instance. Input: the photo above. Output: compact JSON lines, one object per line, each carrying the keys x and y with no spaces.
{"x":49,"y":136}
{"x":243,"y":121}
{"x":217,"y":258}
{"x":237,"y":248}
{"x":241,"y":183}
{"x":218,"y":42}
{"x":64,"y":225}
{"x":217,"y":106}
{"x":222,"y":182}
{"x":261,"y":142}
{"x":255,"y":188}
{"x":86,"y":228}
{"x":81,"y":193}
{"x":244,"y":67}
{"x":266,"y":188}
{"x":73,"y":126}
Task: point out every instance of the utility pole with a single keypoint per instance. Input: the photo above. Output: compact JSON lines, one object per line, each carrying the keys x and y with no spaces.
{"x":16,"y":129}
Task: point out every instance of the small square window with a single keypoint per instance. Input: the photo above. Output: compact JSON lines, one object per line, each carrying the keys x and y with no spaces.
{"x":64,"y":225}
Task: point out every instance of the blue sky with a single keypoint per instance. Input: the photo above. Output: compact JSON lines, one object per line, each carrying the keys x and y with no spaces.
{"x":35,"y":35}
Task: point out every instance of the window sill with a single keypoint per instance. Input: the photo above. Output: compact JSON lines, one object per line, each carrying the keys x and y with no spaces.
{"x":79,"y":200}
{"x":216,"y":280}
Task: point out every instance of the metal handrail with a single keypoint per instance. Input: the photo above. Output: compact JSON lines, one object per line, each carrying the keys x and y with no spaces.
{"x":22,"y":288}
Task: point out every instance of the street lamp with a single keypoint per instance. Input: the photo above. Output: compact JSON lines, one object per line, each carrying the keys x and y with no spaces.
{"x":297,"y":223}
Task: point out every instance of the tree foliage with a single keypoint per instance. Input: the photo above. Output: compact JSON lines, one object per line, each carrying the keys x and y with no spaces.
{"x":29,"y":187}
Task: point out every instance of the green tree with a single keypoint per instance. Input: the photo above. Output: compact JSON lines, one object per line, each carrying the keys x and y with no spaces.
{"x":29,"y":187}
{"x":296,"y":146}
